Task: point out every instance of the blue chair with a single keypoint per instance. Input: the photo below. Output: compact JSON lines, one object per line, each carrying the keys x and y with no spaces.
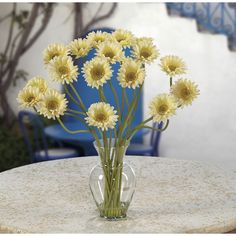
{"x":38,"y":147}
{"x":151,"y":149}
{"x":90,"y":95}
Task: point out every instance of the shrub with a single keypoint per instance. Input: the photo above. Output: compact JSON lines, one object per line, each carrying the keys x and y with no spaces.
{"x":13,"y":152}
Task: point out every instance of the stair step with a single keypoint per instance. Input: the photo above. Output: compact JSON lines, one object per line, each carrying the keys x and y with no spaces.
{"x":218,"y":18}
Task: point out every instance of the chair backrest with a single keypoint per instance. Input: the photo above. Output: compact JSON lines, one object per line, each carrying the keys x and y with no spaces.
{"x":35,"y":140}
{"x":90,"y":95}
{"x":155,"y":138}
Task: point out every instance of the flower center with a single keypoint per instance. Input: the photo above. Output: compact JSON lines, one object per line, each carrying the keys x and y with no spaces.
{"x":172,"y":67}
{"x":79,"y":49}
{"x":52,"y":105}
{"x":120,"y":38}
{"x":55,"y":54}
{"x":99,"y":39}
{"x":42,"y":89}
{"x":97,"y":73}
{"x":144,"y":53}
{"x":109,"y":54}
{"x":185,"y":93}
{"x":30,"y":99}
{"x":63,"y":70}
{"x":101,"y":117}
{"x":162,"y":109}
{"x":130,"y":76}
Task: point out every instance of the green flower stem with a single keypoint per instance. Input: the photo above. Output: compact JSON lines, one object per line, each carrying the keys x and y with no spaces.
{"x":105,"y":144}
{"x":101,"y":95}
{"x":71,"y":131}
{"x":112,"y":175}
{"x":125,"y":122}
{"x":123,"y":103}
{"x":119,"y":180}
{"x":130,"y":114}
{"x":77,"y":112}
{"x":114,"y":194}
{"x":79,"y":98}
{"x":83,"y":59}
{"x":161,"y":130}
{"x":130,"y":134}
{"x":171,"y":81}
{"x":103,"y":150}
{"x":114,"y":147}
{"x":116,"y":99}
{"x":79,"y":118}
{"x":126,"y":98}
{"x":71,"y":97}
{"x":129,"y":121}
{"x":135,"y":107}
{"x":93,"y":132}
{"x":100,"y":133}
{"x":109,"y":146}
{"x":96,"y":139}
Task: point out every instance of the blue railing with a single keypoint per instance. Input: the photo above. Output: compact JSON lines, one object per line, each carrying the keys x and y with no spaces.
{"x":214,"y":17}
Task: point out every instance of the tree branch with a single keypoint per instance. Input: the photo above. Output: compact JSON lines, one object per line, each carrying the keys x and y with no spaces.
{"x":11,"y":29}
{"x":13,"y":64}
{"x":9,"y":39}
{"x":5,"y":17}
{"x":14,"y":44}
{"x":97,"y":18}
{"x":78,"y":21}
{"x":45,"y":21}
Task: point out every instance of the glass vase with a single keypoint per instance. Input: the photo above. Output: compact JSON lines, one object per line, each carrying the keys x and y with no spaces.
{"x":112,"y":183}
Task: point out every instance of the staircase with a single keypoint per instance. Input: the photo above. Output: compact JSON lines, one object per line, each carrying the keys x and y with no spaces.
{"x":215,"y":18}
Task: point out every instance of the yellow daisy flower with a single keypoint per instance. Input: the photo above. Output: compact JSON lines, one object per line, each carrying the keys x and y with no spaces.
{"x":111,"y":51}
{"x":53,"y":104}
{"x":185,"y":91}
{"x":173,"y":65}
{"x":79,"y":47}
{"x":63,"y":70}
{"x":38,"y":82}
{"x":29,"y":97}
{"x":101,"y":115}
{"x":54,"y":50}
{"x":145,"y":51}
{"x":95,"y":38}
{"x":131,"y":74}
{"x":162,"y":107}
{"x":97,"y":72}
{"x":124,"y":37}
{"x":144,"y":39}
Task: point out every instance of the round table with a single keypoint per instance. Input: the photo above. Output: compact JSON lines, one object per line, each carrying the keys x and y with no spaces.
{"x":172,"y":196}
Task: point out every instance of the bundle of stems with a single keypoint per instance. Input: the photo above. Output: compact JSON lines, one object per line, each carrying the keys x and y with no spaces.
{"x":112,"y":144}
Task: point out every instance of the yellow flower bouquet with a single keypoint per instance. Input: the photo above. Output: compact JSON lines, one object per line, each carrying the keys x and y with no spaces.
{"x":110,"y":126}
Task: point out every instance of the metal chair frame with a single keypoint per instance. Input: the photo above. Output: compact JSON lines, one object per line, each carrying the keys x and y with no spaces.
{"x":154,"y":143}
{"x":39,"y":137}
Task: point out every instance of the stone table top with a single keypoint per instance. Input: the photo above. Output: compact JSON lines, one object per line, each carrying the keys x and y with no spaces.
{"x":172,"y":196}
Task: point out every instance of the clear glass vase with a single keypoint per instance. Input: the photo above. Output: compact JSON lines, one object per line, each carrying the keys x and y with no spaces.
{"x":112,"y":183}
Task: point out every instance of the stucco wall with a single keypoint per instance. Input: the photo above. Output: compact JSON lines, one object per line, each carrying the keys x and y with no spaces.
{"x":204,"y":131}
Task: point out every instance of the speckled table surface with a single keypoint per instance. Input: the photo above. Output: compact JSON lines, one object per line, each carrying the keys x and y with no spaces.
{"x":172,"y":196}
